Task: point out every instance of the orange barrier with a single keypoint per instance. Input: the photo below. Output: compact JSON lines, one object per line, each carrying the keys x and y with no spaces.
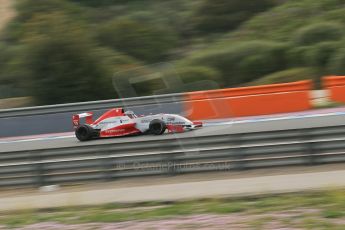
{"x":336,"y":87}
{"x":248,"y":101}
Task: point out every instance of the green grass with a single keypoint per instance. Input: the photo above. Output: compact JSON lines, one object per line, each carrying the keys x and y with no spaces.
{"x":329,"y":104}
{"x":330,"y":205}
{"x":314,"y":223}
{"x":259,"y":223}
{"x":331,"y":213}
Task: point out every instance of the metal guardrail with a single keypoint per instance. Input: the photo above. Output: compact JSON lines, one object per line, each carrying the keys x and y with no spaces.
{"x":84,"y":164}
{"x":92,"y":105}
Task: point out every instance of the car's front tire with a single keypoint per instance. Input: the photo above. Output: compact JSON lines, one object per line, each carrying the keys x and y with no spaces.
{"x":157,"y":127}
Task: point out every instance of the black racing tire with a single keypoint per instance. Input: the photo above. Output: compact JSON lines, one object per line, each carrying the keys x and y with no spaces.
{"x":157,"y":127}
{"x":85,"y":133}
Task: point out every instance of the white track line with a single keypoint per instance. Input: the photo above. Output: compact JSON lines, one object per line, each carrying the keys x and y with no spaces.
{"x":36,"y":139}
{"x":263,"y":119}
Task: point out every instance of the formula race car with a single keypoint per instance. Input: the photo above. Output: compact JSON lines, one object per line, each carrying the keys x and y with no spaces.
{"x":116,"y":122}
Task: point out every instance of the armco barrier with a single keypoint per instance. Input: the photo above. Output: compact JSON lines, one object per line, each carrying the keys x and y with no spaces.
{"x":248,"y":101}
{"x":169,"y":156}
{"x":336,"y":87}
{"x":93,"y":105}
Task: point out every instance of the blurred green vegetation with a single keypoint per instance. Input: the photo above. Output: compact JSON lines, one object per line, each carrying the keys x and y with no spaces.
{"x":61,"y":51}
{"x":151,"y":43}
{"x":224,"y":15}
{"x":242,"y":62}
{"x":289,"y":75}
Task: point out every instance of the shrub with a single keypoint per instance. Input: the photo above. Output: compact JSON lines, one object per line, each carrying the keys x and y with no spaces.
{"x":296,"y":56}
{"x":193,"y":78}
{"x":98,"y":3}
{"x":162,"y":79}
{"x":3,"y":56}
{"x":311,"y":34}
{"x":319,"y":54}
{"x":337,"y":63}
{"x":199,"y":73}
{"x":289,"y":75}
{"x":138,"y":39}
{"x":27,"y":9}
{"x":245,"y":61}
{"x":12,"y":73}
{"x":64,"y":67}
{"x":141,"y":80}
{"x":71,"y":72}
{"x":224,"y":15}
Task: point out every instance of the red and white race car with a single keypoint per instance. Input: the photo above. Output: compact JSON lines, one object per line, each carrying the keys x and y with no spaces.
{"x":116,"y":122}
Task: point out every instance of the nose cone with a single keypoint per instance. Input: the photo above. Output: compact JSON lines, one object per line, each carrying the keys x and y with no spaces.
{"x":197,"y":123}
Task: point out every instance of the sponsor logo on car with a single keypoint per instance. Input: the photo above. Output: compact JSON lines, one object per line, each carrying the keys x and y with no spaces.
{"x":177,"y":123}
{"x":115,"y":131}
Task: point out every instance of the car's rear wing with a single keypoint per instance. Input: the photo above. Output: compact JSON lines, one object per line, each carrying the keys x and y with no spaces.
{"x":76,"y":119}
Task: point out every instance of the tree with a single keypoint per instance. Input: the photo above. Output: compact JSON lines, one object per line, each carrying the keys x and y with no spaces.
{"x":12,"y":73}
{"x":319,"y":54}
{"x":320,"y":32}
{"x":337,"y":63}
{"x":64,"y":63}
{"x":99,"y":3}
{"x":245,"y":61}
{"x":289,"y":75}
{"x":138,"y":39}
{"x":316,"y":55}
{"x":29,"y":9}
{"x":225,"y":15}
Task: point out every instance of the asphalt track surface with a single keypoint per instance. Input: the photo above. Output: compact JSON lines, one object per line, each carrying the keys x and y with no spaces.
{"x":314,"y":119}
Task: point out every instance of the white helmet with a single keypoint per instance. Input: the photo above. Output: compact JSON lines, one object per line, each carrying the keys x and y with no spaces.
{"x":130,"y":114}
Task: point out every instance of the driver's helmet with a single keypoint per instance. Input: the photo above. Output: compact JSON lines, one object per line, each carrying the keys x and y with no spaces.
{"x":130,"y":114}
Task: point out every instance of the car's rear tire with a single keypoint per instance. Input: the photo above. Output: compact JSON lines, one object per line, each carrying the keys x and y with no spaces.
{"x":157,"y":127}
{"x":85,"y":133}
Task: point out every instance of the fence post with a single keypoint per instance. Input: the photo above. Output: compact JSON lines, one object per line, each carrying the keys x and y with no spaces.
{"x":239,"y":151}
{"x":170,"y":164}
{"x":107,"y":164}
{"x":308,"y":143}
{"x":38,"y":168}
